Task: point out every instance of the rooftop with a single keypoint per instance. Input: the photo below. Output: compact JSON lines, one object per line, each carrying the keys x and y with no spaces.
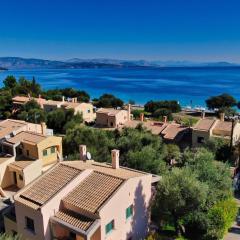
{"x":28,"y":137}
{"x":74,"y":219}
{"x":223,"y":126}
{"x":173,"y":131}
{"x":121,"y":172}
{"x":204,"y":124}
{"x":93,"y":191}
{"x":9,"y":125}
{"x":109,"y":111}
{"x":20,"y":165}
{"x":48,"y":185}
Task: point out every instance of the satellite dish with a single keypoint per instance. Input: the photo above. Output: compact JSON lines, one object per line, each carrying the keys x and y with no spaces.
{"x":89,"y":156}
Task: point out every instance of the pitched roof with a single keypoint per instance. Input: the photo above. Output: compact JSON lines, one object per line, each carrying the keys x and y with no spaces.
{"x":9,"y":125}
{"x":20,"y":165}
{"x":109,"y":111}
{"x":28,"y":137}
{"x":204,"y":124}
{"x":173,"y":131}
{"x":93,"y":191}
{"x":74,"y":219}
{"x":20,"y":99}
{"x":49,"y":184}
{"x":121,"y":172}
{"x":223,"y":126}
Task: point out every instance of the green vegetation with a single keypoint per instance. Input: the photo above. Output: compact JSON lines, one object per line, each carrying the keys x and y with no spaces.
{"x":9,"y":237}
{"x":224,"y":103}
{"x":139,"y":148}
{"x":56,"y":94}
{"x":107,"y":101}
{"x":189,"y":195}
{"x":221,"y":101}
{"x":159,"y":109}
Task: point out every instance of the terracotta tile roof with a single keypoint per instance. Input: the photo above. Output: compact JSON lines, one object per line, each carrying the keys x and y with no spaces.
{"x":74,"y":219}
{"x":10,"y":125}
{"x":122,"y":172}
{"x":93,"y":191}
{"x":204,"y":124}
{"x":52,"y":102}
{"x":28,"y":137}
{"x":20,"y":164}
{"x":109,"y":111}
{"x":173,"y":131}
{"x":20,"y":99}
{"x":155,"y":127}
{"x":49,"y":184}
{"x":223,"y":126}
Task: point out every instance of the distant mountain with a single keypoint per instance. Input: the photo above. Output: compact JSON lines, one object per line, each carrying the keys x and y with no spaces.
{"x":31,"y":63}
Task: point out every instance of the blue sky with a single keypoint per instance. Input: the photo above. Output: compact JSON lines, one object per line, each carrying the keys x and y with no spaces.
{"x":199,"y":30}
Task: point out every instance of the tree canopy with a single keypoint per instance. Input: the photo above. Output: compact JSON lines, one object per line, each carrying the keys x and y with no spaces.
{"x":221,"y":101}
{"x":108,"y":101}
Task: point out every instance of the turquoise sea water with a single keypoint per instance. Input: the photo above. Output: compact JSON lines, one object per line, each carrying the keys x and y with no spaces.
{"x":141,"y":85}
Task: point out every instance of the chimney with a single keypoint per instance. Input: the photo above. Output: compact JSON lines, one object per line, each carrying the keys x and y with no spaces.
{"x":44,"y":128}
{"x":115,"y":158}
{"x":73,"y":100}
{"x":203,"y":114}
{"x":164,"y":119}
{"x":83,"y":152}
{"x":63,"y":99}
{"x":142,"y":117}
{"x":129,"y":111}
{"x":222,"y":116}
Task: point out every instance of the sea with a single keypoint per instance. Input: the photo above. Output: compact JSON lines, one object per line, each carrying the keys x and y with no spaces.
{"x":191,"y":86}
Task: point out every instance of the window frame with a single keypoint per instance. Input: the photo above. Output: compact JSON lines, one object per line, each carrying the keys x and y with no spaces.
{"x":129,"y":212}
{"x":45,"y":151}
{"x":107,"y":229}
{"x":29,"y":224}
{"x":53,"y":147}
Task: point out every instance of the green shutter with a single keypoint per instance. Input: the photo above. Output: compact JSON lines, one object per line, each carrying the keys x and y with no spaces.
{"x":129,"y":212}
{"x":52,"y":149}
{"x":109,"y":227}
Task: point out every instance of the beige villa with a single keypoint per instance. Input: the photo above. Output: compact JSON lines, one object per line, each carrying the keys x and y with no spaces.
{"x":112,"y":118}
{"x":86,"y":109}
{"x":218,"y":128}
{"x":25,"y":152}
{"x":84,"y":200}
{"x":170,"y":132}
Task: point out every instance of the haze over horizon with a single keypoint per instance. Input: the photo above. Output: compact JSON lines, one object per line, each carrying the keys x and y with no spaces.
{"x":199,"y":31}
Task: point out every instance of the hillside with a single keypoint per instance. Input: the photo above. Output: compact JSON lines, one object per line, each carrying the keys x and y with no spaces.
{"x":75,"y":63}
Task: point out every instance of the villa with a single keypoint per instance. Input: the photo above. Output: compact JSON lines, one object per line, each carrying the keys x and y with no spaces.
{"x":84,"y":200}
{"x":112,"y":118}
{"x":170,"y":132}
{"x":217,"y":128}
{"x":26,"y":150}
{"x":86,"y":109}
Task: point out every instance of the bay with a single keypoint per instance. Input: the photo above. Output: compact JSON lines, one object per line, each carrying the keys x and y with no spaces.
{"x":141,"y":84}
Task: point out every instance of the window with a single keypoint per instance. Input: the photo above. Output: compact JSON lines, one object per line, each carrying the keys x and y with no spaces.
{"x":72,"y":235}
{"x":129,"y":211}
{"x":52,"y":149}
{"x":88,"y":111}
{"x":109,"y":227}
{"x":27,"y":152}
{"x":45,"y":152}
{"x":30,"y":224}
{"x":20,"y":177}
{"x":200,"y":139}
